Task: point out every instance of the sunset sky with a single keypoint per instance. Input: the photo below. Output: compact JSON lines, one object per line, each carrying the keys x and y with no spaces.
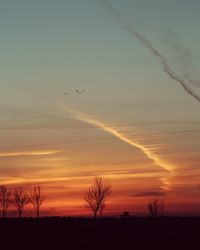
{"x":134,"y":125}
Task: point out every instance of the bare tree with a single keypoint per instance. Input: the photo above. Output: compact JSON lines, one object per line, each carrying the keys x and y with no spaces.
{"x":156,"y":208}
{"x":96,"y":195}
{"x":19,"y":199}
{"x":5,"y":196}
{"x":101,"y":209}
{"x":36,"y":199}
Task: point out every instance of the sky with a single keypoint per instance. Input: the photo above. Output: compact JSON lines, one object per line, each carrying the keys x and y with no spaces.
{"x":136,"y":124}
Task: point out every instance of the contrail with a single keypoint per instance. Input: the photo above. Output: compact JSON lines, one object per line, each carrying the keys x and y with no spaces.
{"x":116,"y":17}
{"x":31,"y":153}
{"x":107,"y":128}
{"x":185,"y":56}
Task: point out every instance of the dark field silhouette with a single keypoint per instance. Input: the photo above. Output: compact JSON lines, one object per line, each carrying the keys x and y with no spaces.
{"x":107,"y":233}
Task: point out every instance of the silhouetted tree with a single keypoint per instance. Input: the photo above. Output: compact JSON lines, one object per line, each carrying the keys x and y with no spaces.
{"x":19,"y":199}
{"x":5,"y":199}
{"x":125,"y":214}
{"x":96,"y":195}
{"x":101,"y":209}
{"x":36,"y":199}
{"x":156,"y":208}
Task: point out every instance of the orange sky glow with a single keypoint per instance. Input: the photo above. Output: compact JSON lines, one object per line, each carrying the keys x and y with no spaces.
{"x":138,"y":167}
{"x":101,"y":88}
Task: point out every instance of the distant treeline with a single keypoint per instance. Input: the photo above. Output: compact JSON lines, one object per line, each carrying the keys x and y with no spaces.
{"x":94,"y":199}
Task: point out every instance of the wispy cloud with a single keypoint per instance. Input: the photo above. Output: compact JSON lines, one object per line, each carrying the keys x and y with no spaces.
{"x":28,"y":153}
{"x":24,"y":181}
{"x":16,"y":118}
{"x":149,"y":193}
{"x":117,"y":18}
{"x":110,"y":129}
{"x":148,"y":152}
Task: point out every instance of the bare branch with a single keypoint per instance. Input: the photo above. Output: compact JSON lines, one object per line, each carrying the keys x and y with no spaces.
{"x":5,"y":199}
{"x":19,"y":199}
{"x":36,"y":199}
{"x":156,"y":208}
{"x":96,"y":195}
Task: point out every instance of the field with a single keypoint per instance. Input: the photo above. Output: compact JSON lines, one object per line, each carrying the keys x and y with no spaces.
{"x":109,"y":233}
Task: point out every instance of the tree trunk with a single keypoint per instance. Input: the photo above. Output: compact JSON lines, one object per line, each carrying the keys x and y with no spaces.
{"x":95,"y":214}
{"x":4,"y":212}
{"x":20,"y":213}
{"x":37,"y":213}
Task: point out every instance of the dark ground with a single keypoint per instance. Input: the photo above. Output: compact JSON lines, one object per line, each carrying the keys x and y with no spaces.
{"x":89,"y":234}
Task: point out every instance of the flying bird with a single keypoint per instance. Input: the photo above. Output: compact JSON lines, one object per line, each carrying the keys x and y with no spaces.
{"x":74,"y":92}
{"x":79,"y":92}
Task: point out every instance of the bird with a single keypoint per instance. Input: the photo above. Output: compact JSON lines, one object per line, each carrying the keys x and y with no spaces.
{"x":74,"y":92}
{"x":79,"y":92}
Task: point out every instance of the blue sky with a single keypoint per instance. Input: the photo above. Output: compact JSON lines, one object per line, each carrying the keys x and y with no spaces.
{"x":62,"y":44}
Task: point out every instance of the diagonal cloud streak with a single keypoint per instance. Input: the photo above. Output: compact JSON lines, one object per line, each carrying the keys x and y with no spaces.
{"x":116,"y":17}
{"x":107,"y":128}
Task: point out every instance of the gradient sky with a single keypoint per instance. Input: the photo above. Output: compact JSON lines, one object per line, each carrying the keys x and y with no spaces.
{"x":134,"y":125}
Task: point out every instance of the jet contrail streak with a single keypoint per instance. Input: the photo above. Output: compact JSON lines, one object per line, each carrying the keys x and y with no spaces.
{"x":107,"y":128}
{"x":163,"y":61}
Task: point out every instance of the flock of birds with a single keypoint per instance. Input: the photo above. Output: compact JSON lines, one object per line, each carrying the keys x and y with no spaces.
{"x":75,"y":92}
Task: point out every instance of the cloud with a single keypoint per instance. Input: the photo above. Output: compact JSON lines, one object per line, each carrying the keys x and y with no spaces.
{"x":28,"y":153}
{"x":108,"y":128}
{"x":15,"y":118}
{"x":167,"y":69}
{"x":149,"y":193}
{"x":148,"y":152}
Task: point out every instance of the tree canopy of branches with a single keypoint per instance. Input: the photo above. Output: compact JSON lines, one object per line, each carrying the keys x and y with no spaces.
{"x":156,"y":208}
{"x":36,"y":199}
{"x":5,"y":199}
{"x":19,"y":199}
{"x":96,"y":196}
